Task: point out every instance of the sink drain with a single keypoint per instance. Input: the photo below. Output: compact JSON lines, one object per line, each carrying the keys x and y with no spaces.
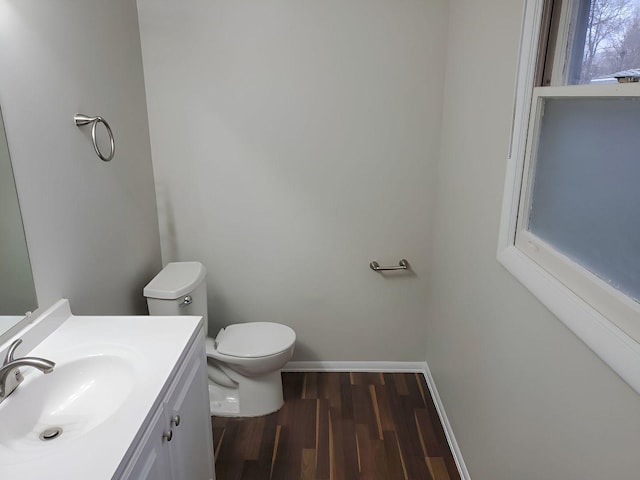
{"x":50,"y":434}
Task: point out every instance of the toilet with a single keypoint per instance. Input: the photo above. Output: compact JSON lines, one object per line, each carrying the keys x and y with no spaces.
{"x":243,"y":360}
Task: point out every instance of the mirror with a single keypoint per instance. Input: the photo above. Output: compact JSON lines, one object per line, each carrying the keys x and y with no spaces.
{"x":17,"y":290}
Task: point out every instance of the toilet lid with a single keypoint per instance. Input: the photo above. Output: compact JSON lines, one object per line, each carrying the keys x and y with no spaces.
{"x":255,"y":339}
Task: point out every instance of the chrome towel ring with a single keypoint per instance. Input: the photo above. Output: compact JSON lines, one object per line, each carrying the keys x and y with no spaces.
{"x":82,"y":119}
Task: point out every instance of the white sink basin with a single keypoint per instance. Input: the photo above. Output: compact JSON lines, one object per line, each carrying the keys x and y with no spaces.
{"x":108,"y":376}
{"x":79,"y":395}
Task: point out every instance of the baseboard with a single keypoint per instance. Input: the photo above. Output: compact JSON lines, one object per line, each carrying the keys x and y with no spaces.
{"x":444,"y":420}
{"x":354,"y":367}
{"x":419,"y":367}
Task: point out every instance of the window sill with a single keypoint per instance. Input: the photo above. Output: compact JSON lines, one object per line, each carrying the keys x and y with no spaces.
{"x":610,"y":343}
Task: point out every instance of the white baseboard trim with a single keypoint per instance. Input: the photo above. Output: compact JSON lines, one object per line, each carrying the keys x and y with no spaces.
{"x":418,"y":367}
{"x":354,"y":367}
{"x":444,"y":420}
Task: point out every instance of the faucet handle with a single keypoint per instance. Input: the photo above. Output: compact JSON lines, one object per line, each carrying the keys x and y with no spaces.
{"x":9,"y":357}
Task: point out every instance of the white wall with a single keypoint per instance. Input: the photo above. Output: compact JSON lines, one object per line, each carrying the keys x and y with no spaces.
{"x":294,"y":142}
{"x":91,"y":227}
{"x":526,"y":398}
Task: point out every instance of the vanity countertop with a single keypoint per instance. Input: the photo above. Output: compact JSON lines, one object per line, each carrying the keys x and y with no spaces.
{"x":109,"y":374}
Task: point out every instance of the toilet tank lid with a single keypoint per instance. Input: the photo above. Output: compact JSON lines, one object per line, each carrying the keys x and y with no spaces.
{"x":175,"y":279}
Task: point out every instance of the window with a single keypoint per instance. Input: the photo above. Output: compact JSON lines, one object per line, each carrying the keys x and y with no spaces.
{"x":571,"y":219}
{"x":590,"y":41}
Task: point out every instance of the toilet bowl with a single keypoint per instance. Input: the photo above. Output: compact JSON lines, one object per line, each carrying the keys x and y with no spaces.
{"x":243,"y":361}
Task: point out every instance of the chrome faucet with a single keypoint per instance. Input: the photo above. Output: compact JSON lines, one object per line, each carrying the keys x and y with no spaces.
{"x":11,"y":376}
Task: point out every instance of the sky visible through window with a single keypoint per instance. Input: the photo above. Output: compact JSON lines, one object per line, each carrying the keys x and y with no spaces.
{"x":612,"y":39}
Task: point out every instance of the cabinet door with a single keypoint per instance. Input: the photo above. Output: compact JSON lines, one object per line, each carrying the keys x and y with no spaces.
{"x":151,"y":462}
{"x":187,"y":407}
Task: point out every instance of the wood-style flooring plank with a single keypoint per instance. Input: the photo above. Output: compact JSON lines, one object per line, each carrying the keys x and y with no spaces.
{"x":308,"y":468}
{"x":248,"y":439}
{"x":269,"y":437}
{"x":282,"y":465}
{"x":322,"y":440}
{"x":363,"y":409}
{"x":253,"y":470}
{"x":339,"y":426}
{"x":395,"y":461}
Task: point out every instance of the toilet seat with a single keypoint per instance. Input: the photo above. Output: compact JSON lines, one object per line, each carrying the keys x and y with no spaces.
{"x":254,"y":339}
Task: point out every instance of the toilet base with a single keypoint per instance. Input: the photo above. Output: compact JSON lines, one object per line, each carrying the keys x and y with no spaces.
{"x":254,"y":396}
{"x":223,"y":403}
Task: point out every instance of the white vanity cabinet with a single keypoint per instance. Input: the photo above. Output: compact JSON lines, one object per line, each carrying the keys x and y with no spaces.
{"x":151,"y":461}
{"x":177,"y":443}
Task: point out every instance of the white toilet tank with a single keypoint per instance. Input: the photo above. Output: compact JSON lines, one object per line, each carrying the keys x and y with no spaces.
{"x":179,"y":289}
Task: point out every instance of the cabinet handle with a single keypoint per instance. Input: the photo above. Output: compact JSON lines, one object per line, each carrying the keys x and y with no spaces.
{"x":175,"y":420}
{"x":168,"y":435}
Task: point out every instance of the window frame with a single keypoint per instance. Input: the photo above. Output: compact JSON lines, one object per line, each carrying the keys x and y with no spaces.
{"x":615,"y":347}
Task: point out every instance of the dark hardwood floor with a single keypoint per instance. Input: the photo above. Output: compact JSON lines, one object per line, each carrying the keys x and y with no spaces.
{"x":339,"y":426}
